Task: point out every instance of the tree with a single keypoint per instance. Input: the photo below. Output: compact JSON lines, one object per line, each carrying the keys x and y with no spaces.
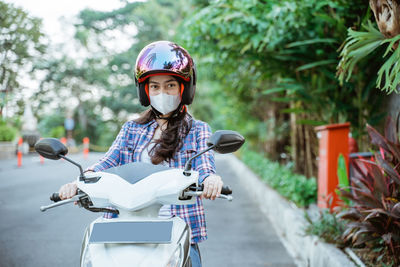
{"x":279,"y":57}
{"x":21,"y":41}
{"x":102,"y":85}
{"x":94,"y":29}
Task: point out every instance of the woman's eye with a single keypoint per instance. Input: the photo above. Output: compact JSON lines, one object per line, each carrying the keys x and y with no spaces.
{"x":171,"y":85}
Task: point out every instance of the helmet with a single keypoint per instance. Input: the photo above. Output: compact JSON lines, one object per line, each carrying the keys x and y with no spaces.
{"x":165,"y":58}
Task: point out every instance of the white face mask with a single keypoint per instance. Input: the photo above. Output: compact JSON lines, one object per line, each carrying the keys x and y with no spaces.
{"x":165,"y":103}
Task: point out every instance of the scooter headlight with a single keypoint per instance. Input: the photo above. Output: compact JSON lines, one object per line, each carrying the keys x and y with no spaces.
{"x":176,"y":258}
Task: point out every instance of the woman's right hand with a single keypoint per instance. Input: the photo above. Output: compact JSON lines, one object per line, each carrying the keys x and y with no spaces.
{"x":68,"y":190}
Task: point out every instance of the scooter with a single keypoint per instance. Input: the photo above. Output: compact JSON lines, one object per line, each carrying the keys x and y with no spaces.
{"x":136,"y":192}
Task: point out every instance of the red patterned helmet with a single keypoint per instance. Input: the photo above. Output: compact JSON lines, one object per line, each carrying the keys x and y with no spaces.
{"x":165,"y":58}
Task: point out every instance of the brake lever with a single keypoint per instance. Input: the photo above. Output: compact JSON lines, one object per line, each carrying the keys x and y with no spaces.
{"x":198,"y":193}
{"x":62,"y":202}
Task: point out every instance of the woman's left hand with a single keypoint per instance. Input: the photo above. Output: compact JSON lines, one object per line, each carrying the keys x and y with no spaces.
{"x":212,"y":187}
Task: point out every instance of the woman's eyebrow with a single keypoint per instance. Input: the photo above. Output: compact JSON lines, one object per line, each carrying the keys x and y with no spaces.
{"x":153,"y":82}
{"x":172,"y":80}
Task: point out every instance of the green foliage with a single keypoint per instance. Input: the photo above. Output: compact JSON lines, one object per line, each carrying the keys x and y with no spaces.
{"x":21,"y":40}
{"x":295,"y":187}
{"x":359,"y":45}
{"x":375,"y":194}
{"x":7,"y":132}
{"x":57,"y":132}
{"x":390,"y":70}
{"x":49,"y":122}
{"x":327,"y":226}
{"x":342,"y":172}
{"x":342,"y":176}
{"x":283,"y":54}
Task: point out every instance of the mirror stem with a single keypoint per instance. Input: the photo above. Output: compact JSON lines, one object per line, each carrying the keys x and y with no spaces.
{"x":81,"y":177}
{"x":188,"y":165}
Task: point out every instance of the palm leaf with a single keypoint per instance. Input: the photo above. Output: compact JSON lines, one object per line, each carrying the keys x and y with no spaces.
{"x":358,"y":45}
{"x":316,"y":64}
{"x":312,"y":41}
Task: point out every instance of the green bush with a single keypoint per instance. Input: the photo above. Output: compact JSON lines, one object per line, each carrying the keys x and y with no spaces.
{"x":295,"y":187}
{"x":7,"y":133}
{"x":327,"y":226}
{"x":57,"y":132}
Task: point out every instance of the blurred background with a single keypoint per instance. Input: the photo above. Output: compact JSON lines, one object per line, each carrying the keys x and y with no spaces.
{"x":272,"y":70}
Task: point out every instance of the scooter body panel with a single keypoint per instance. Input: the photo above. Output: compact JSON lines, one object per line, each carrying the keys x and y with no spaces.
{"x":162,"y":187}
{"x":137,"y":202}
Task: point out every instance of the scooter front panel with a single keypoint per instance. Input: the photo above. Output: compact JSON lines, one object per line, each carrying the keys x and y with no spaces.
{"x":141,"y":255}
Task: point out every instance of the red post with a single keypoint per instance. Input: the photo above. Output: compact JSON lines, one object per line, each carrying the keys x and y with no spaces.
{"x":19,"y":152}
{"x":41,"y":159}
{"x":333,"y":141}
{"x":85,"y":147}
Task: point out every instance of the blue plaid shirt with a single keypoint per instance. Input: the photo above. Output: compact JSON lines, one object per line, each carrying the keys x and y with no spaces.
{"x":133,"y":139}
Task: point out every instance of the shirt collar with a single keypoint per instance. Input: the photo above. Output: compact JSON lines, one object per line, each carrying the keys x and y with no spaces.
{"x":153,"y":124}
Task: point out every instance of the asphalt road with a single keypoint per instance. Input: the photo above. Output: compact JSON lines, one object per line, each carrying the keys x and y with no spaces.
{"x":238,"y":233}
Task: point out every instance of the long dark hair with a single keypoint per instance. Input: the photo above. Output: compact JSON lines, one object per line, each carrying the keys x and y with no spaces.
{"x":172,"y":138}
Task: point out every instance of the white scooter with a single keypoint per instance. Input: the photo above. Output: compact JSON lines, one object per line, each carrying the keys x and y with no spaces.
{"x":136,"y":192}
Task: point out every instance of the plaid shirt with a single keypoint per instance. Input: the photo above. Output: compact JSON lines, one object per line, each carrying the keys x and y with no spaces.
{"x":133,"y":139}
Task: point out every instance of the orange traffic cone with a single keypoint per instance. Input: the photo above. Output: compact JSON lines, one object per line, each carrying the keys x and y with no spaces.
{"x":19,"y":152}
{"x":86,"y":147}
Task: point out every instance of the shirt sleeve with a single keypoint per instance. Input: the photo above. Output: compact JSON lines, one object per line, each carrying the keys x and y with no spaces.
{"x":204,"y":164}
{"x":112,"y":157}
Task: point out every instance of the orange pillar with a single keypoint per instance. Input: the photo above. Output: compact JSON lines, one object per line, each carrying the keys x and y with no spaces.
{"x":19,"y":152}
{"x":333,"y":141}
{"x":63,"y":140}
{"x":85,"y":147}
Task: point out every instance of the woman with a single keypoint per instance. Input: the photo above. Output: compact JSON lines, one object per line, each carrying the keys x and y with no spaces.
{"x":166,"y":133}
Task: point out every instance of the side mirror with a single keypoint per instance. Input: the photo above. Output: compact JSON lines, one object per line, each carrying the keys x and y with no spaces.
{"x":225,"y":141}
{"x":51,"y":148}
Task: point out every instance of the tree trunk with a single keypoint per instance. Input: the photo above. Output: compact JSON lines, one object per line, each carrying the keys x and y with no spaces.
{"x":304,"y":143}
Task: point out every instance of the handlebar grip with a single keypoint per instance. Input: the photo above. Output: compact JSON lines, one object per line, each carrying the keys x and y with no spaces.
{"x":226,"y":190}
{"x":55,"y":197}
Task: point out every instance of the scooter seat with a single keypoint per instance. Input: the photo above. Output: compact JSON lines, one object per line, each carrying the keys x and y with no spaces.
{"x":135,"y":171}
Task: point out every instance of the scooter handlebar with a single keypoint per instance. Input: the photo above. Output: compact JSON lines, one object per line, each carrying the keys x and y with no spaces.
{"x":55,"y":197}
{"x":226,"y":192}
{"x":226,"y":189}
{"x":61,"y":202}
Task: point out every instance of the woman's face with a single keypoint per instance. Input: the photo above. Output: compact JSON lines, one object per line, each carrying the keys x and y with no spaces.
{"x":165,"y":84}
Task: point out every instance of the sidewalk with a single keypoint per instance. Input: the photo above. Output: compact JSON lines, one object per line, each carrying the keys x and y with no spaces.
{"x":239,"y":234}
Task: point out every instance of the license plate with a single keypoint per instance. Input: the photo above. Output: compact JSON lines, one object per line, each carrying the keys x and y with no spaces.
{"x":131,"y":232}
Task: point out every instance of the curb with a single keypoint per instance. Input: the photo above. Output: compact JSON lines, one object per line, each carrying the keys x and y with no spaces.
{"x":289,"y":222}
